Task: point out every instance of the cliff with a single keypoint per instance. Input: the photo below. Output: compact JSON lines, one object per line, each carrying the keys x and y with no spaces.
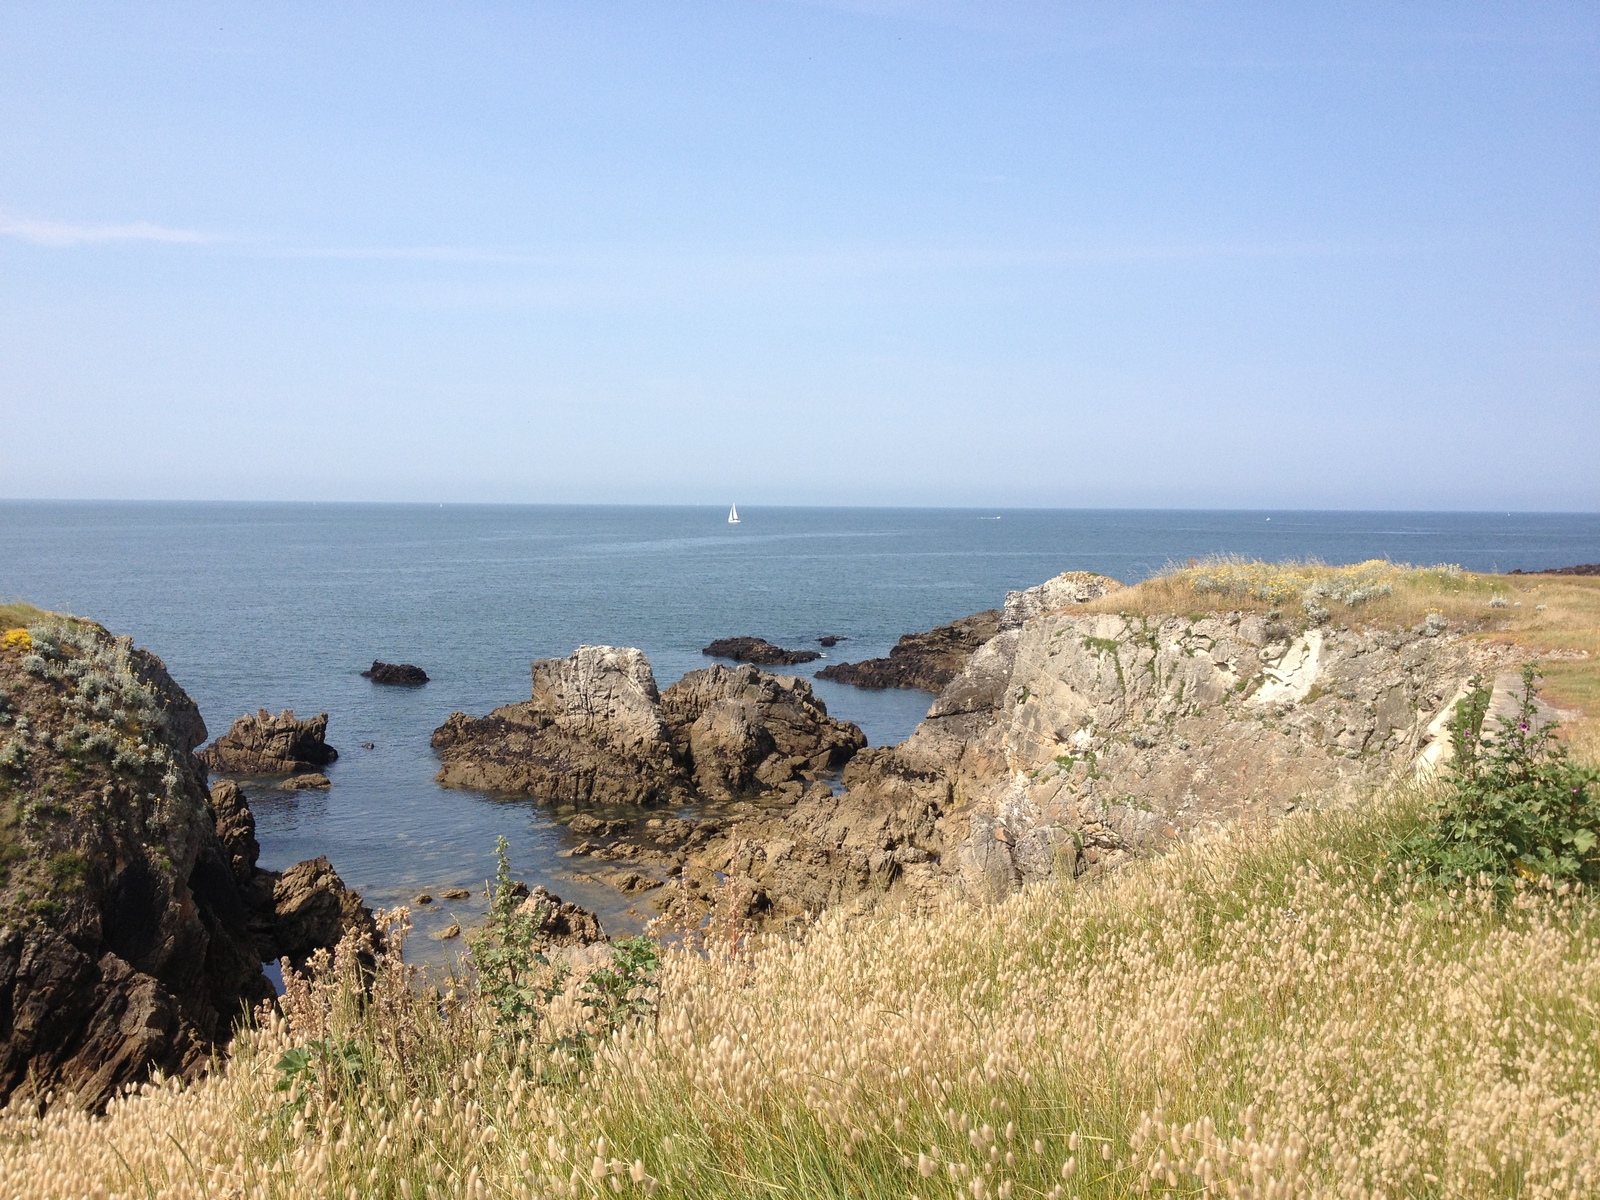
{"x":1072,"y":739}
{"x":131,"y":933}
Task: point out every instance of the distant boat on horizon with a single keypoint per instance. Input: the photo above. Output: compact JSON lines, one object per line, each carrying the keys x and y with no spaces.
{"x":733,"y":514}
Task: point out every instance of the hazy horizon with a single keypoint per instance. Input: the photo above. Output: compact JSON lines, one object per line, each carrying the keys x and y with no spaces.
{"x":1233,"y":257}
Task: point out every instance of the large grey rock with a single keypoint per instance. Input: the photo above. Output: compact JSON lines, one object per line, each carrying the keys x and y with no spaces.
{"x":741,"y":729}
{"x":591,"y":733}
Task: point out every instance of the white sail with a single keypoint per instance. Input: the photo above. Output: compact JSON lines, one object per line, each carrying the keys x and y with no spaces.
{"x":733,"y":515}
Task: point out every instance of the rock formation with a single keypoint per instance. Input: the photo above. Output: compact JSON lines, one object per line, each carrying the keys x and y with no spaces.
{"x":127,"y":939}
{"x":1072,"y":740}
{"x":596,"y":731}
{"x":760,"y":652}
{"x":920,"y":660}
{"x":264,"y":744}
{"x":396,"y":674}
{"x":557,"y":923}
{"x":738,"y":729}
{"x":591,"y":733}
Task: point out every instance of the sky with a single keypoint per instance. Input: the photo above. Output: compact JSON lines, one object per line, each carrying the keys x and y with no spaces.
{"x":1121,"y":255}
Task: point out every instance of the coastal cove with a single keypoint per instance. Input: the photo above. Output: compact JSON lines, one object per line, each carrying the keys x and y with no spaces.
{"x":282,"y":606}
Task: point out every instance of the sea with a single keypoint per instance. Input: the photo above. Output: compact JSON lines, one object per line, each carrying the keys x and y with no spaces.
{"x":257,"y":605}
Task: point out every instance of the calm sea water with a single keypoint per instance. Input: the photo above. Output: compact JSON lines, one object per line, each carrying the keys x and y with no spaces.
{"x":282,"y":605}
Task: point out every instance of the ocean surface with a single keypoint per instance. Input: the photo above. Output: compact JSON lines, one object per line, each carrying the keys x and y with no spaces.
{"x":282,"y":605}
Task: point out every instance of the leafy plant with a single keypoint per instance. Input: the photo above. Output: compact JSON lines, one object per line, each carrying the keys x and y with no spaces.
{"x":513,"y":976}
{"x":625,"y":991}
{"x":334,"y":1063}
{"x":1517,"y":806}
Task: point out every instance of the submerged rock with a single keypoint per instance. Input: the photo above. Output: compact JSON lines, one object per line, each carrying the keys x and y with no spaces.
{"x":314,"y":781}
{"x":396,"y":674}
{"x":263,"y":744}
{"x":760,"y":652}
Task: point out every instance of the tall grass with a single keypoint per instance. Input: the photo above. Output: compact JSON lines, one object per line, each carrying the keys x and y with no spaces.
{"x":1278,"y":1016}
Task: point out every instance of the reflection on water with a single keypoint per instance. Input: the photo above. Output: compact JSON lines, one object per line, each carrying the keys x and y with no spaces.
{"x":281,"y":606}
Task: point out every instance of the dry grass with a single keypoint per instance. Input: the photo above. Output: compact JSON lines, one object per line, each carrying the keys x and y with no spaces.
{"x":1279,"y":1018}
{"x":19,"y":616}
{"x":1555,"y":616}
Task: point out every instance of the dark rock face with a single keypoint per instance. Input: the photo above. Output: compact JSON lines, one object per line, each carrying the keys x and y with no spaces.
{"x":396,"y":674}
{"x":831,"y":639}
{"x":597,"y":732}
{"x":264,"y":744}
{"x":760,"y":652}
{"x":312,"y":910}
{"x":127,"y":939}
{"x":1580,"y":569}
{"x":926,"y":661}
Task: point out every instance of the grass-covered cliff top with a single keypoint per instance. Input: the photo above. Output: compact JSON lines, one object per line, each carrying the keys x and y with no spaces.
{"x":1555,"y":617}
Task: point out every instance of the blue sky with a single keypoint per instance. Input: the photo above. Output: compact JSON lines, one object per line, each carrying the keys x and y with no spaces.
{"x":1124,"y":255}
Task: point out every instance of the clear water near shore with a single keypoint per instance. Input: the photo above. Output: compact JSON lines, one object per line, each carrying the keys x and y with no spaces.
{"x":282,"y":605}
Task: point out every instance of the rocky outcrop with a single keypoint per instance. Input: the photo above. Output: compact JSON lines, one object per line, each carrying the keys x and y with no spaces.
{"x":760,"y":652}
{"x":926,"y":661}
{"x":596,"y":731}
{"x":738,"y":730}
{"x":560,"y":924}
{"x":592,"y":733}
{"x":313,"y":910}
{"x":396,"y":674}
{"x":126,"y":928}
{"x":1072,"y":741}
{"x":264,"y":744}
{"x":1053,"y":595}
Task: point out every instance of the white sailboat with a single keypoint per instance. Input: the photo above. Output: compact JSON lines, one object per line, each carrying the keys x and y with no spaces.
{"x":733,"y":514}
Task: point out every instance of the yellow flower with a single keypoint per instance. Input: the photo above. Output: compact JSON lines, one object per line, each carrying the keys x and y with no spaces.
{"x":18,"y":638}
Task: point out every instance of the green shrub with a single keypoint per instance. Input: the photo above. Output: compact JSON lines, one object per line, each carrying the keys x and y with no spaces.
{"x":1515,"y":805}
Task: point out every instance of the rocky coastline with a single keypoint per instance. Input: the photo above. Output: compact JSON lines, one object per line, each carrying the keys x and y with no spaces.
{"x":1060,"y":743}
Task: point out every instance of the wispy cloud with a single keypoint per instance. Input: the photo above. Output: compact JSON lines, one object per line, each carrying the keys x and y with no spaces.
{"x":63,"y":233}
